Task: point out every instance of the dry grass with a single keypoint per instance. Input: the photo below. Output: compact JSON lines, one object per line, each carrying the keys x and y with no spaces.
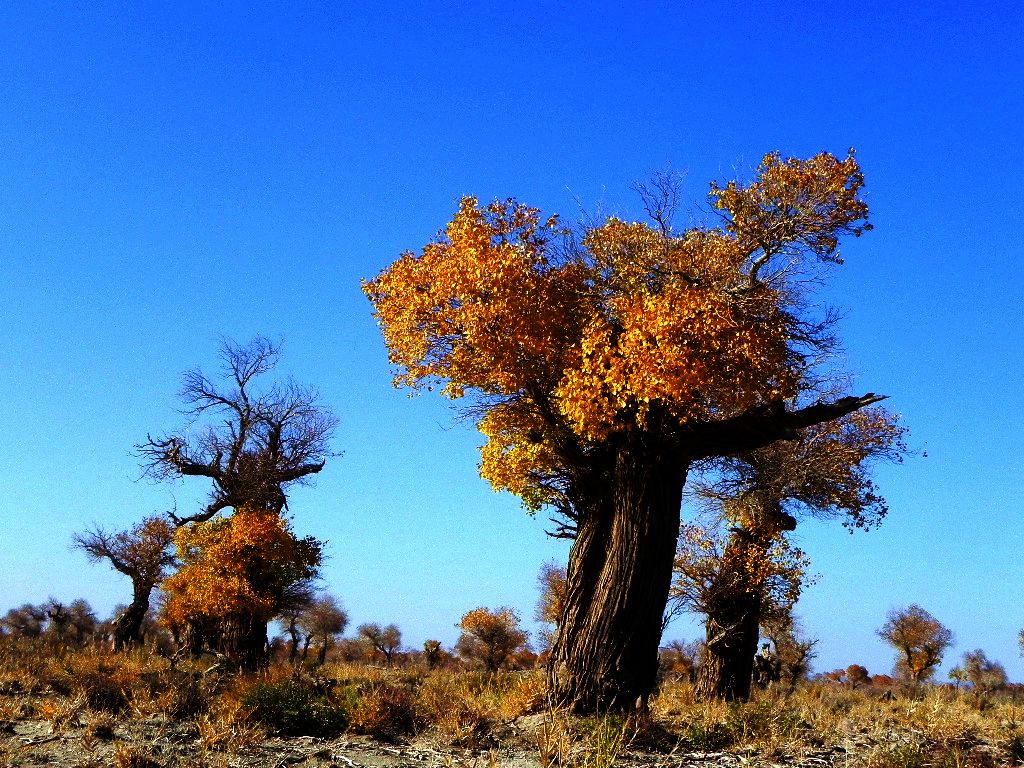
{"x":91,"y":698}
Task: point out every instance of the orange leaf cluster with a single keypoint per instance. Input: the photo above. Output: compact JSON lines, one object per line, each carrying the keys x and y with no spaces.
{"x":238,"y":565}
{"x":565,"y":343}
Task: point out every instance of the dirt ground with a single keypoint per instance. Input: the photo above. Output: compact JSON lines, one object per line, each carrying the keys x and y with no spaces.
{"x":158,"y":743}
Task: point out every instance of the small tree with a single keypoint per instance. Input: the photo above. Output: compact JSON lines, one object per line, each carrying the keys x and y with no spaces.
{"x":297,"y":599}
{"x":143,"y":555}
{"x":920,"y":638}
{"x":490,"y":637}
{"x":682,"y":659}
{"x":385,"y":641}
{"x":984,"y":675}
{"x":857,"y":675}
{"x":234,"y":579}
{"x":73,"y":624}
{"x":551,"y":602}
{"x":434,"y":654}
{"x":27,"y":621}
{"x":323,"y":620}
{"x":793,"y":649}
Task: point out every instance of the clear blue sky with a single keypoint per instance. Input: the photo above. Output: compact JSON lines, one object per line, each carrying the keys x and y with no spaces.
{"x":174,"y":172}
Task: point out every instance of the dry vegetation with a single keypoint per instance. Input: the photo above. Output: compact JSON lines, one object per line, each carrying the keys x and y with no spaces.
{"x":86,"y":707}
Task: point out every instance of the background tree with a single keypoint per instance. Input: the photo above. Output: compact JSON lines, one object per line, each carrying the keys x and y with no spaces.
{"x":792,"y":646}
{"x":603,"y":366}
{"x":681,"y":660}
{"x":729,"y":585}
{"x":760,"y":495}
{"x":323,"y":620}
{"x":254,"y":444}
{"x":234,"y":579}
{"x":297,"y":599}
{"x":72,"y":623}
{"x":434,"y":654}
{"x":143,"y":554}
{"x":550,"y":603}
{"x":384,"y":641}
{"x":490,"y":637}
{"x":857,"y":675}
{"x":920,"y":638}
{"x":28,"y":621}
{"x":984,"y":675}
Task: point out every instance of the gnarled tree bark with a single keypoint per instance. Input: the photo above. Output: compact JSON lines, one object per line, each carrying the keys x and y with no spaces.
{"x":605,"y":653}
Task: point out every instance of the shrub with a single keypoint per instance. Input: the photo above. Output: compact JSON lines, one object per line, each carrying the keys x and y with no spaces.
{"x":294,"y":709}
{"x":384,"y":712}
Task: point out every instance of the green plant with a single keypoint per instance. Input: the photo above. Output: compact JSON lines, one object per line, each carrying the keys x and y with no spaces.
{"x":294,"y":709}
{"x":706,"y":737}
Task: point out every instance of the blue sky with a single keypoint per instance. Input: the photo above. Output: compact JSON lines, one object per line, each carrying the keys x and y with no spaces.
{"x":172,"y":173}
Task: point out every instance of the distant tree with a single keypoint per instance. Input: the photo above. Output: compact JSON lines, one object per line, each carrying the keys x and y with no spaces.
{"x":255,"y":443}
{"x":434,"y":654}
{"x":297,"y":599}
{"x":490,"y":637}
{"x":857,"y":675}
{"x":551,"y":602}
{"x":604,"y":367}
{"x":73,"y":623}
{"x":251,"y":444}
{"x":984,"y":675}
{"x":26,"y":621}
{"x":729,"y":586}
{"x":681,"y":660}
{"x":793,"y":649}
{"x":958,"y":675}
{"x":234,"y":578}
{"x":143,"y":554}
{"x":323,"y":621}
{"x":385,"y":641}
{"x":920,"y":638}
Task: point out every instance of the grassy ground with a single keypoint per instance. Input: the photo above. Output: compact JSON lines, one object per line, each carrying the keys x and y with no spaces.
{"x":87,"y":708}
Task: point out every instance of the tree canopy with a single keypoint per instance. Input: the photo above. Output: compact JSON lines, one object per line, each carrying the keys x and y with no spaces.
{"x":633,"y":327}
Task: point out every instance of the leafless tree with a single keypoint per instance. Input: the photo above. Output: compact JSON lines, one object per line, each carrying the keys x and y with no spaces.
{"x":253,"y":444}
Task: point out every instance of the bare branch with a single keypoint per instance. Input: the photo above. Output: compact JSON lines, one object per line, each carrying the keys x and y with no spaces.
{"x":257,"y":442}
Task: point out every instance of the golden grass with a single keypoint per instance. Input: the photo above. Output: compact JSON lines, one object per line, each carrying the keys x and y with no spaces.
{"x":94,"y":693}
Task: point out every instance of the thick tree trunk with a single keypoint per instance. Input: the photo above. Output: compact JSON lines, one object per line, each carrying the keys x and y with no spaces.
{"x":605,"y":653}
{"x":128,"y":626}
{"x":243,"y":639}
{"x":731,"y":633}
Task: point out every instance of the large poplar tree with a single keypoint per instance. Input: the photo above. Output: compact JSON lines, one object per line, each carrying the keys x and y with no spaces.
{"x":603,"y":366}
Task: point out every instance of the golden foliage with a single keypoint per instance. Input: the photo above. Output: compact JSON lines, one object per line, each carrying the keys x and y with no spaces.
{"x":713,"y":566}
{"x":238,"y":565}
{"x":490,"y":637}
{"x":566,"y":343}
